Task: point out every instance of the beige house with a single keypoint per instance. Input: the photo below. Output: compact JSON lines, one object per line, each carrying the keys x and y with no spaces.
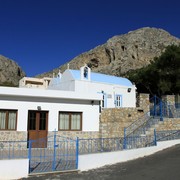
{"x":29,"y":82}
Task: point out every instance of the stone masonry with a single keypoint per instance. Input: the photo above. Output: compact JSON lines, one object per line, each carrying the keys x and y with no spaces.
{"x":13,"y":135}
{"x":170,"y":99}
{"x":113,"y":121}
{"x":144,"y":103}
{"x":169,"y":124}
{"x":74,"y":134}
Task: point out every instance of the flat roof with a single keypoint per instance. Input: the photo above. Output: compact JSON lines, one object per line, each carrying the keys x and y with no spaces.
{"x":46,"y":93}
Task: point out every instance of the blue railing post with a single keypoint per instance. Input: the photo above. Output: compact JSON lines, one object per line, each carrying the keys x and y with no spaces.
{"x":29,"y":154}
{"x":161,"y":111}
{"x":9,"y":154}
{"x":155,"y":139}
{"x":125,"y":143}
{"x":54,"y":154}
{"x":77,"y":152}
{"x":155,"y":113}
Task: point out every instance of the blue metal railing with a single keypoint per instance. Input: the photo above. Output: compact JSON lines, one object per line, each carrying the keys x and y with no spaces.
{"x":66,"y":156}
{"x":99,"y":145}
{"x":173,"y":110}
{"x":143,"y":128}
{"x":65,"y":150}
{"x":60,"y":154}
{"x":137,"y":124}
{"x":68,"y":151}
{"x":159,"y":108}
{"x":156,"y":107}
{"x":177,"y":105}
{"x":54,"y":153}
{"x":77,"y":152}
{"x":168,"y":135}
{"x":13,"y":149}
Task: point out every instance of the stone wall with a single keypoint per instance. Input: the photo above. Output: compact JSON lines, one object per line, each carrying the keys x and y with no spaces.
{"x":143,"y":102}
{"x":169,"y":124}
{"x":113,"y":121}
{"x":8,"y":139}
{"x":13,"y":136}
{"x":177,"y":98}
{"x":75,"y":134}
{"x":169,"y":98}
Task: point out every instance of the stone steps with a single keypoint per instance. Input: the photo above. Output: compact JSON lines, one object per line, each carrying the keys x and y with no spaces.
{"x":166,"y":124}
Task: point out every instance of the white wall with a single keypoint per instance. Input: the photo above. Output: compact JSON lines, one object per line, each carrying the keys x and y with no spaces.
{"x":66,"y":86}
{"x":14,"y":169}
{"x":92,"y":161}
{"x":90,"y":112}
{"x":128,"y":99}
{"x":68,"y":83}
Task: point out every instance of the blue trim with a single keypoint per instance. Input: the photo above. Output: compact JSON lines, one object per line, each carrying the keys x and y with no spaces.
{"x":125,"y":142}
{"x":155,"y":138}
{"x":103,"y":78}
{"x":29,"y":154}
{"x":105,"y":100}
{"x":54,"y":154}
{"x":154,"y":113}
{"x":77,"y":152}
{"x":161,"y":112}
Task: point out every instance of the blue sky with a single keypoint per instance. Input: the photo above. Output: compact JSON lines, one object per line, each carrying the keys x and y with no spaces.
{"x":41,"y":35}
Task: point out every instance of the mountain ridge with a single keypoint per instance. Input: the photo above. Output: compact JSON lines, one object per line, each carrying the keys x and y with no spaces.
{"x":122,"y":53}
{"x":119,"y":55}
{"x":10,"y":72}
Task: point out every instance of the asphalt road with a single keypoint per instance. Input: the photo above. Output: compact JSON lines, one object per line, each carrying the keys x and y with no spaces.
{"x":164,"y":165}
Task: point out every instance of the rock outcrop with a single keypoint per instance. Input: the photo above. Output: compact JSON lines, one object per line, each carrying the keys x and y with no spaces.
{"x":123,"y":53}
{"x":10,"y":72}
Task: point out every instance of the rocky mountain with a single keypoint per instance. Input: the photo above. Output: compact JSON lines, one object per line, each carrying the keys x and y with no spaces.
{"x":123,"y":53}
{"x":10,"y":72}
{"x":117,"y":56}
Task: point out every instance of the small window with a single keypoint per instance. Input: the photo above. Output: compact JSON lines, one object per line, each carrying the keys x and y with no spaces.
{"x":8,"y":119}
{"x":70,"y":121}
{"x":118,"y":100}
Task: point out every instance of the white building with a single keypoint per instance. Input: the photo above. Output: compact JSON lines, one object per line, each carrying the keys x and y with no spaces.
{"x":35,"y":113}
{"x":70,"y":104}
{"x":29,"y":82}
{"x":117,"y":91}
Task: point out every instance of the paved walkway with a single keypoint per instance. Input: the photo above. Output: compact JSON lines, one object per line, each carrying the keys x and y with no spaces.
{"x":164,"y":165}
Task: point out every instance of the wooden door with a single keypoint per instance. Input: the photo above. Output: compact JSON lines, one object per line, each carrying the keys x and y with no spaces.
{"x":38,"y":128}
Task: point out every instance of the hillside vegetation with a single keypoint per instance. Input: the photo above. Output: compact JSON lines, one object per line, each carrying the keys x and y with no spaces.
{"x":161,"y":76}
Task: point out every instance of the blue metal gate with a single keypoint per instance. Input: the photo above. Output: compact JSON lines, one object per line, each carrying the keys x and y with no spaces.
{"x":60,"y":154}
{"x":158,"y":108}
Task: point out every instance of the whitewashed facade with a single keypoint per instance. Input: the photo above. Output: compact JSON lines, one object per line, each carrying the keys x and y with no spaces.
{"x":32,"y":111}
{"x":71,"y":103}
{"x":117,"y":91}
